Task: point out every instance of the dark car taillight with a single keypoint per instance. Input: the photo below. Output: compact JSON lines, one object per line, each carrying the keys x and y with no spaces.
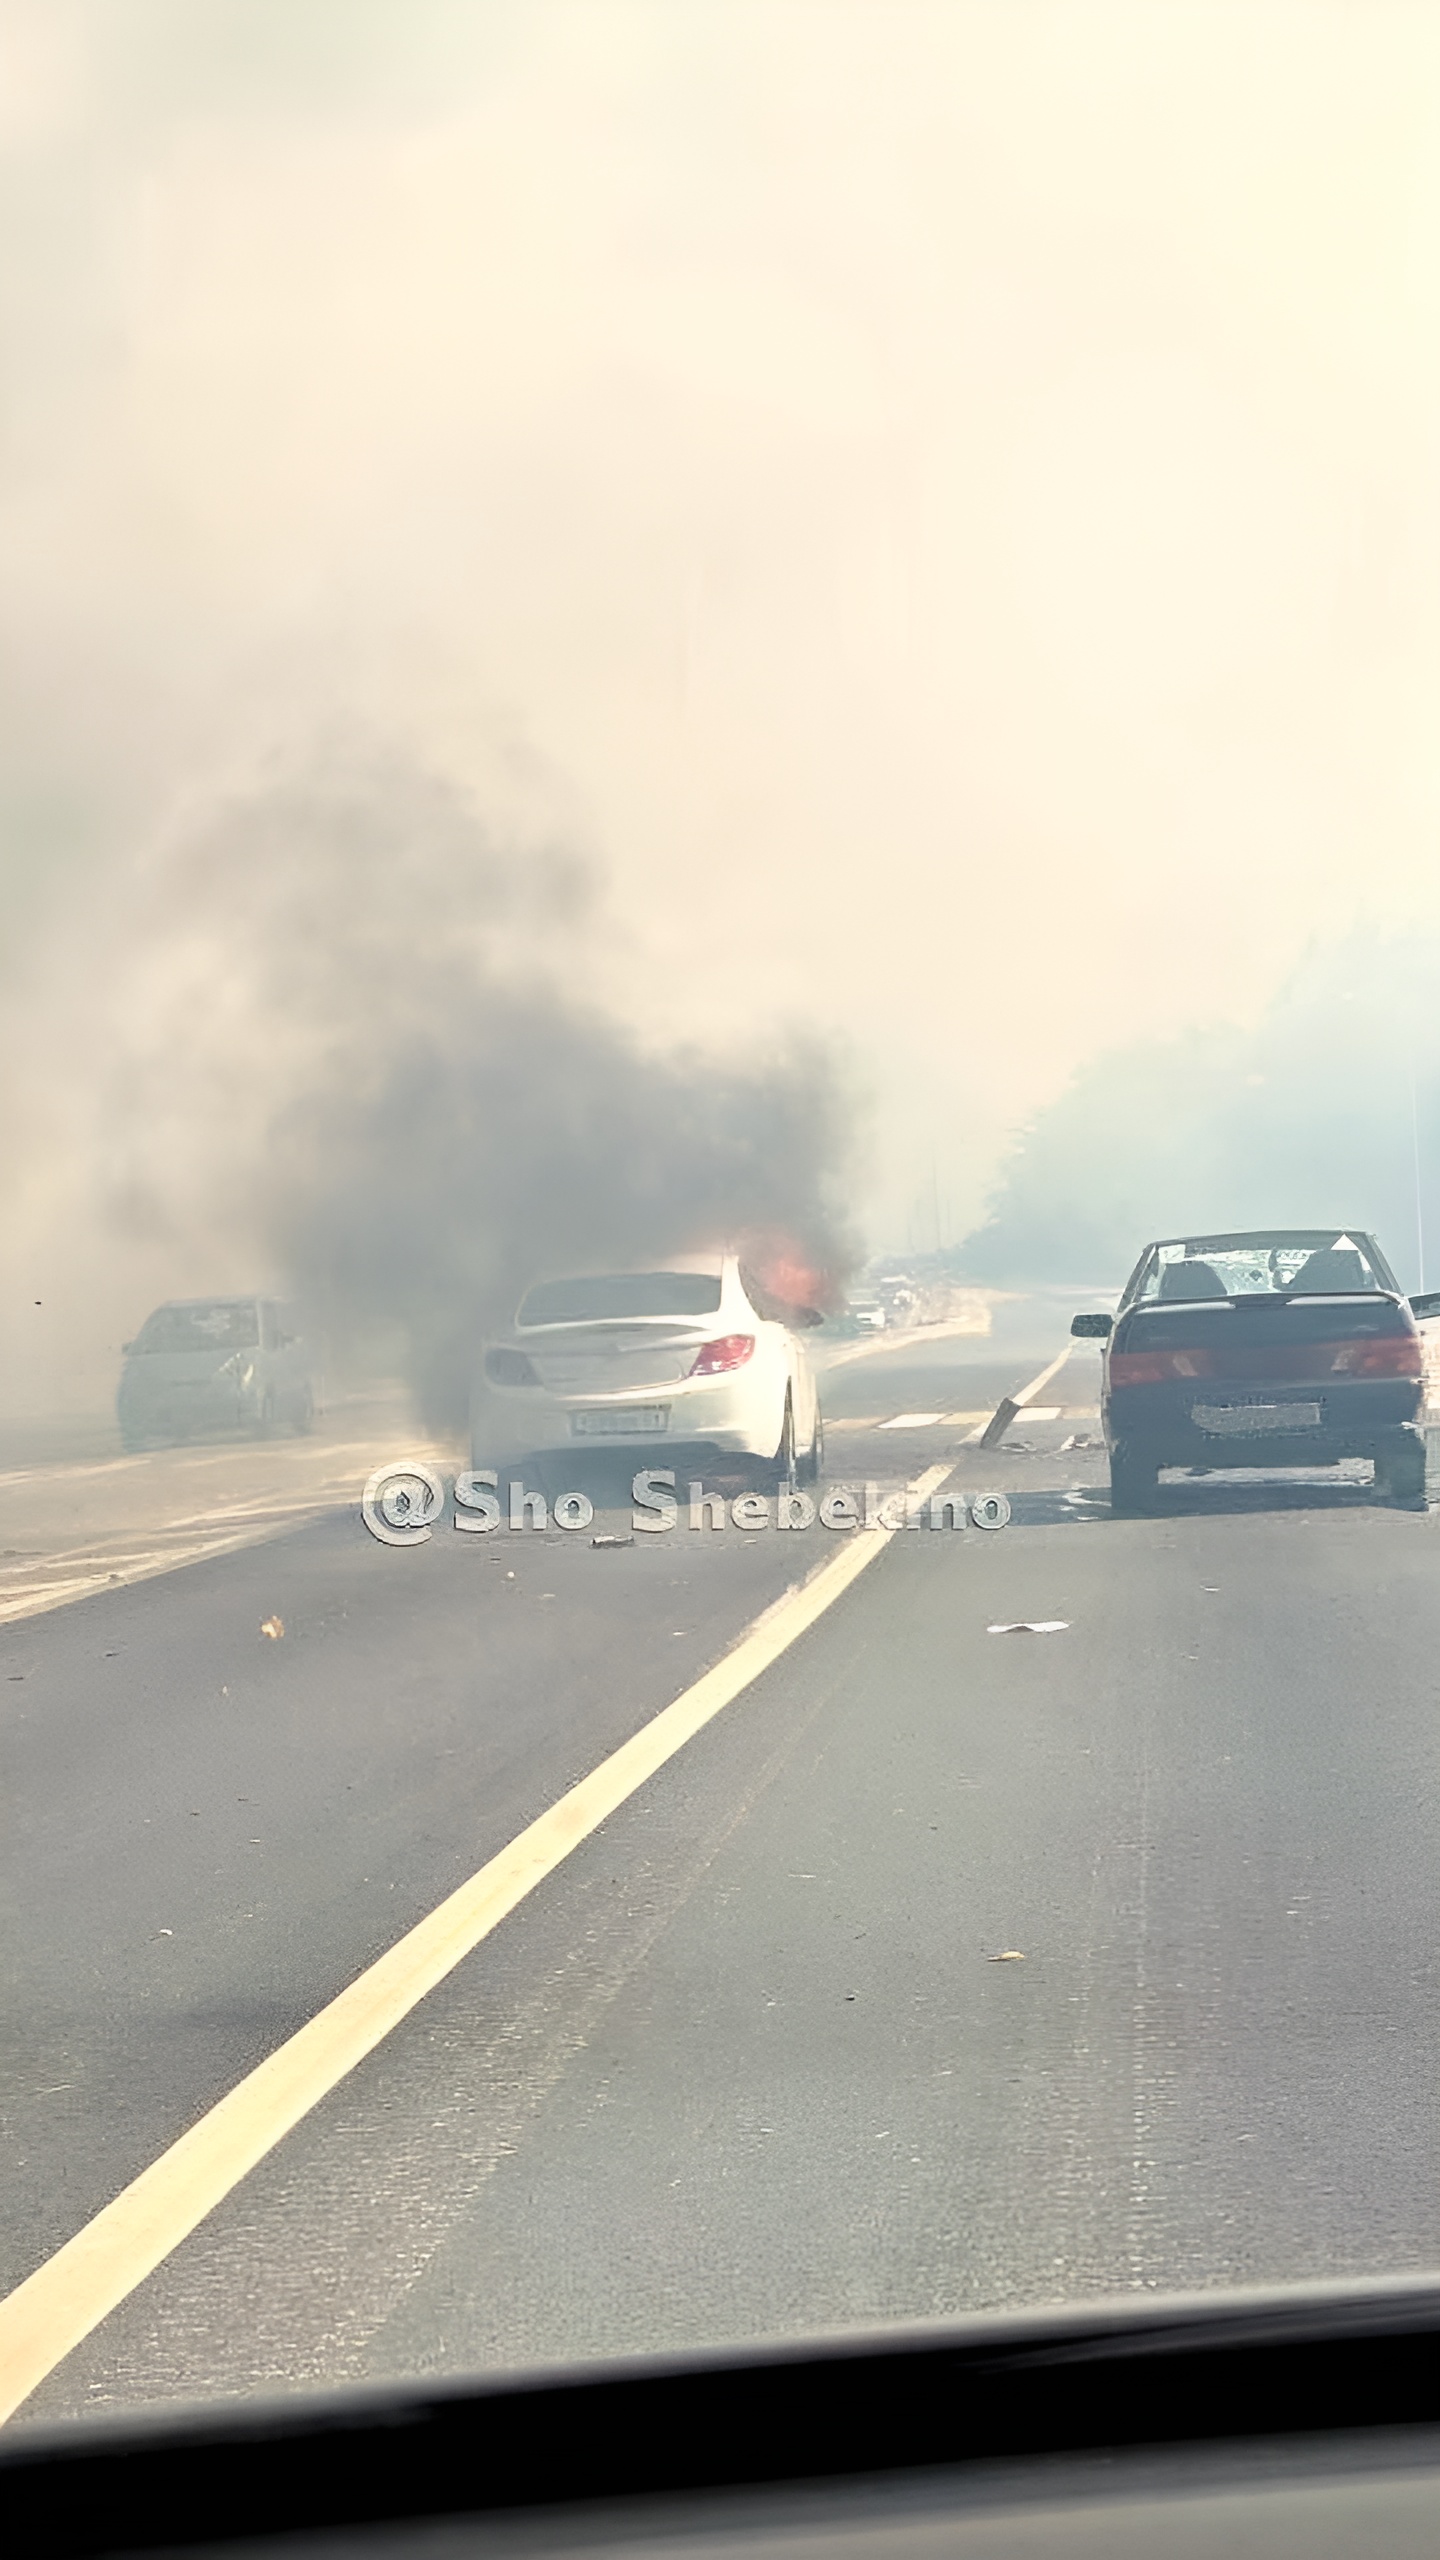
{"x":1393,"y":1355}
{"x":728,"y":1351}
{"x":1151,"y":1368}
{"x":509,"y":1369}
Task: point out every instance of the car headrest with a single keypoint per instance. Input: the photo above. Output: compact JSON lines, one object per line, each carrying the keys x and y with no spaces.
{"x":1190,"y":1280}
{"x":1328,"y":1270}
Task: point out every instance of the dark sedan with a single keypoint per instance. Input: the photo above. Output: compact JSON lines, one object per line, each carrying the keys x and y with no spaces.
{"x":1292,"y":1347}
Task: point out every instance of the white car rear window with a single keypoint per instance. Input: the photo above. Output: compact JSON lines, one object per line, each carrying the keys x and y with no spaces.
{"x":622,"y":1293}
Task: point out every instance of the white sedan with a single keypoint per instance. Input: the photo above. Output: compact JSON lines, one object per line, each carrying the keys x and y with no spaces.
{"x":696,"y":1359}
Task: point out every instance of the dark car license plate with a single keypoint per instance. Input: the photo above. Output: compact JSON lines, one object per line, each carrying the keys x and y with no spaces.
{"x":1232,"y":1421}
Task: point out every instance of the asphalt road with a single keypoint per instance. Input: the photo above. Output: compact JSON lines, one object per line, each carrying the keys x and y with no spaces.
{"x":78,"y":1516}
{"x":944,"y":1969}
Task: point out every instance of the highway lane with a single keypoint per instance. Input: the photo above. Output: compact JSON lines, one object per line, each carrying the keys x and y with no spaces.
{"x":78,"y":1516}
{"x":752,"y":2060}
{"x":212,"y":1829}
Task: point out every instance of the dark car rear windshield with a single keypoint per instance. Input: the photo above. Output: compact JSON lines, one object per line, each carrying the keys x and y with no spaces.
{"x":1314,"y":1264}
{"x":222,"y":1324}
{"x":623,"y":1293}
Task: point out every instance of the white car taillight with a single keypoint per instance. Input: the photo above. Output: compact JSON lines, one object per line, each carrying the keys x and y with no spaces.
{"x":728,"y":1351}
{"x":507,"y":1368}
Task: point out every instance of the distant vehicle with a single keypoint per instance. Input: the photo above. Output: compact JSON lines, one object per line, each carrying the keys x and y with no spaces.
{"x":872,"y":1313}
{"x":898,"y":1296}
{"x":695,"y":1360}
{"x":204,"y":1365}
{"x":1291,"y":1347}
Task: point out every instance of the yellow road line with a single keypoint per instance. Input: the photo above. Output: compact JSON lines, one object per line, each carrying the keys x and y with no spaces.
{"x":67,"y":2297}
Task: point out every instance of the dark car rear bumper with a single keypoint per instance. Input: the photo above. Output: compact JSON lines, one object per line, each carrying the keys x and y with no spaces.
{"x":1357,"y":1420}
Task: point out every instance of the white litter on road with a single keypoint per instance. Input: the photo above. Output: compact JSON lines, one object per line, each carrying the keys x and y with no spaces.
{"x":1030,"y":1627}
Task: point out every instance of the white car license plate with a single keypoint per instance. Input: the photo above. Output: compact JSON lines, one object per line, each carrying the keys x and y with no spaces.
{"x":1229,"y":1421}
{"x":620,"y":1421}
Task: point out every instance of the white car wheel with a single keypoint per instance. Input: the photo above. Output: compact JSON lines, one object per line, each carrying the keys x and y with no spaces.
{"x":808,"y":1470}
{"x":785,"y":1462}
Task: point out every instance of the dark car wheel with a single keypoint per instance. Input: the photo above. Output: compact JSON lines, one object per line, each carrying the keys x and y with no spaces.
{"x":1400,"y":1472}
{"x":1134,"y":1481}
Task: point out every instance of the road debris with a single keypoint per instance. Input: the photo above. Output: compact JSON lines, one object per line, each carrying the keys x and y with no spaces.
{"x":613,"y":1542}
{"x":1009,"y":1955}
{"x":274,"y":1628}
{"x":999,"y":1423}
{"x":1029,"y":1627}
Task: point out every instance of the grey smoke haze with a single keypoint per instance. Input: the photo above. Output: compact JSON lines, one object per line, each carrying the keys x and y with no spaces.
{"x":359,"y":1045}
{"x":951,"y":487}
{"x":1317,"y":1112}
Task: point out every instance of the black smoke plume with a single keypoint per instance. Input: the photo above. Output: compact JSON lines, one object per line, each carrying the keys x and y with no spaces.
{"x":382,"y":1061}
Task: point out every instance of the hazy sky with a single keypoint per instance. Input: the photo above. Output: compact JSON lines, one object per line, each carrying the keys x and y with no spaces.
{"x":941,"y":499}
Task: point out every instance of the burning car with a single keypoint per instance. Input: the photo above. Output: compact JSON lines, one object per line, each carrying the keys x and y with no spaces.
{"x":697,"y":1358}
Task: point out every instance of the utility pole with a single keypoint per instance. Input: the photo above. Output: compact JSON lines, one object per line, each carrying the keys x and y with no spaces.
{"x":1415,"y":1152}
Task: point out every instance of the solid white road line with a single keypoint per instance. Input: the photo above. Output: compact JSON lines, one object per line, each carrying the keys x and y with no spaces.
{"x":48,"y":2315}
{"x":1044,"y":1376}
{"x":872,"y":1422}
